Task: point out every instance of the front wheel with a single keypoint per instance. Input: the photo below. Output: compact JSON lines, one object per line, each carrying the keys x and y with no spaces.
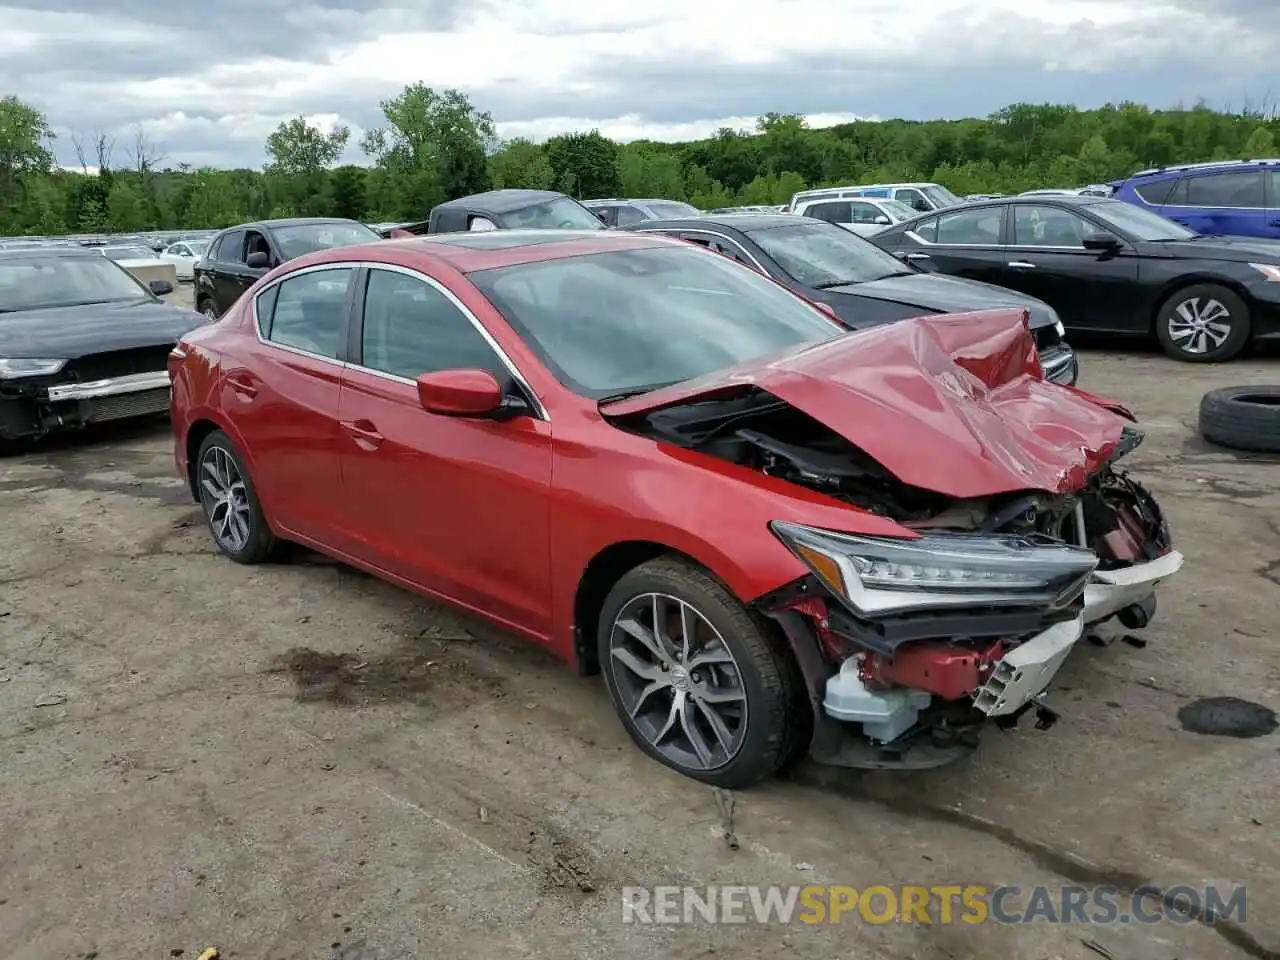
{"x":230,"y":503}
{"x":1203,"y":323}
{"x":699,"y":683}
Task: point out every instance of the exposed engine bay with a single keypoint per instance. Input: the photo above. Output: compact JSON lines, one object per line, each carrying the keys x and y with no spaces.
{"x":1114,"y":515}
{"x":917,"y":686}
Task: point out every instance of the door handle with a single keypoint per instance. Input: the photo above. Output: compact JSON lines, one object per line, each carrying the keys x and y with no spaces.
{"x":917,"y":256}
{"x":240,"y":384}
{"x":363,"y":433}
{"x":1021,"y":265}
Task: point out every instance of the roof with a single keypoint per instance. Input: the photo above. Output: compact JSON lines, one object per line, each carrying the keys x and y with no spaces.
{"x":1206,"y":165}
{"x":43,"y":253}
{"x":285,"y":222}
{"x":746,"y":222}
{"x":499,"y":201}
{"x":469,"y":252}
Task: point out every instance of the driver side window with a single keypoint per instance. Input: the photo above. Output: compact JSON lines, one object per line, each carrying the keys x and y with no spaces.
{"x":411,"y":328}
{"x":255,"y":242}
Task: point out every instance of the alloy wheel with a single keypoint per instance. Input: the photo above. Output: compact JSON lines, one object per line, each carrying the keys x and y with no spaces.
{"x":210,"y":314}
{"x":1199,"y":325}
{"x":225,"y":499}
{"x":678,"y":681}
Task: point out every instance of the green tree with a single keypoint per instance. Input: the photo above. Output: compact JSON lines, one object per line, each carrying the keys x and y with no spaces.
{"x":126,"y":210}
{"x":589,"y":159}
{"x":521,"y":163}
{"x":25,"y":136}
{"x":440,"y":136}
{"x":1261,"y":143}
{"x":298,"y":147}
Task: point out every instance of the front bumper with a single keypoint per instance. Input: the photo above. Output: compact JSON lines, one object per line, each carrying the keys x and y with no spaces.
{"x":1110,"y":591}
{"x":1060,"y":364}
{"x":111,"y":387}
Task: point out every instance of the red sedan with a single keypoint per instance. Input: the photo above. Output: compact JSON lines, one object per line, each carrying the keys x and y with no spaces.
{"x":771,"y":535}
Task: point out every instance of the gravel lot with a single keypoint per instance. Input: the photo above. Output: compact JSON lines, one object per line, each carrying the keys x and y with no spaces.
{"x":300,"y":761}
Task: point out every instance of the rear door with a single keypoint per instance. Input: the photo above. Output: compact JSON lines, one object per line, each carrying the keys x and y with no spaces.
{"x":1231,"y":203}
{"x":283,"y":397}
{"x":1273,"y":204}
{"x":962,"y":243}
{"x":1090,"y":289}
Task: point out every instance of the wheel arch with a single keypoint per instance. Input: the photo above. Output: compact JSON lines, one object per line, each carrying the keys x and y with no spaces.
{"x":200,"y":427}
{"x":603,"y":571}
{"x":1182,"y":281}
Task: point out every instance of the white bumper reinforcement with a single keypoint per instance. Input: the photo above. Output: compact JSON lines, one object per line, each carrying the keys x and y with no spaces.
{"x":1025,"y":671}
{"x":1110,"y":591}
{"x":134,"y":383}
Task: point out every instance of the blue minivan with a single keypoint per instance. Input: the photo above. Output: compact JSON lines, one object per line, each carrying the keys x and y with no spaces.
{"x":1229,"y":197}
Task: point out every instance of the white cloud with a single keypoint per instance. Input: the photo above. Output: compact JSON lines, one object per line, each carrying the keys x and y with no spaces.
{"x":665,"y":69}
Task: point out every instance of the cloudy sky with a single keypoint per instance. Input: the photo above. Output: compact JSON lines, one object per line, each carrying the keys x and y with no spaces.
{"x":208,"y":81}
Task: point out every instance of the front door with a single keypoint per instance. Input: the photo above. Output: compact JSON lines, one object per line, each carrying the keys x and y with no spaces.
{"x":283,"y":397}
{"x":1090,"y":289}
{"x":459,"y":507}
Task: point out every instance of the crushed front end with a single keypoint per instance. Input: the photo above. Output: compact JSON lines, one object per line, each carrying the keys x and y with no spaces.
{"x":922,"y":642}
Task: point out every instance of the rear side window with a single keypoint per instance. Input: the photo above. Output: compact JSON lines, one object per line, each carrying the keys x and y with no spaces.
{"x":1234,"y":190}
{"x":830,"y":211}
{"x":1156,"y":193}
{"x":981,"y":226}
{"x":214,"y":247}
{"x":927,"y":230}
{"x":308,"y":313}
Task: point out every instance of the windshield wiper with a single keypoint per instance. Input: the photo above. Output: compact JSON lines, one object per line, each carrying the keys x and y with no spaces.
{"x":628,"y":394}
{"x":828,"y":284}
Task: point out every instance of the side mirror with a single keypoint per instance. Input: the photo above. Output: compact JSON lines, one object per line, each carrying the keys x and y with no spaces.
{"x":258,"y":260}
{"x":601,"y":216}
{"x":1103,"y":242}
{"x":882,"y":220}
{"x":460,"y":393}
{"x":160,"y":287}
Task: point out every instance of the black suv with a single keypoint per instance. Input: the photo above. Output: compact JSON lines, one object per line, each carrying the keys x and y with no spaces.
{"x":238,"y":256}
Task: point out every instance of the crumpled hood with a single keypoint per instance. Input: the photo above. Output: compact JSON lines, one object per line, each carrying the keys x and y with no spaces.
{"x":936,"y":291}
{"x":65,"y":333}
{"x":953,"y":404}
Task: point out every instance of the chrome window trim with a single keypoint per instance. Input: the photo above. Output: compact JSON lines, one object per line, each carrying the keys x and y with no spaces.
{"x":501,"y":354}
{"x":355,"y":265}
{"x":708,"y":233}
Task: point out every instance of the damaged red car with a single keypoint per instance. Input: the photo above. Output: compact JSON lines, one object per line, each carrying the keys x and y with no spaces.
{"x":771,"y":535}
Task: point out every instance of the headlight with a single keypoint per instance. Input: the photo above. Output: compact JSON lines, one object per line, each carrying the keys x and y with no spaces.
{"x":1062,"y":331}
{"x":876,"y":575}
{"x":1268,"y":270}
{"x":12,"y":369}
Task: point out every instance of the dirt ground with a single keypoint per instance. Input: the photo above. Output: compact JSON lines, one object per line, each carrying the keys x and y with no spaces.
{"x":298,"y":761}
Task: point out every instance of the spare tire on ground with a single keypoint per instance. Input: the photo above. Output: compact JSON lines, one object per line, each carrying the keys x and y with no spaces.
{"x":1246,"y":418}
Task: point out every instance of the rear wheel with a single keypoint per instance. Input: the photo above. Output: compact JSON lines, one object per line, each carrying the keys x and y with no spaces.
{"x":699,"y":683}
{"x":1203,"y":323}
{"x":230,"y":503}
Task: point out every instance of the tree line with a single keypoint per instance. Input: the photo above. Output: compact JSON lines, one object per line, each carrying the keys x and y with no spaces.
{"x":436,"y":145}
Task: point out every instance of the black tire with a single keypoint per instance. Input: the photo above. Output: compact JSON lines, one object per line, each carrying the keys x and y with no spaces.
{"x":1203,"y":299}
{"x":260,"y":544}
{"x":1245,"y":418}
{"x":768,"y":674}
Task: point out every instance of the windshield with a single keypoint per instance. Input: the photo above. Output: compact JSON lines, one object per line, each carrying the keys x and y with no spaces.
{"x":824,"y":255}
{"x":941,"y":196}
{"x":1138,"y":223}
{"x":297,"y":241}
{"x":665,"y":209}
{"x":560,"y":213}
{"x":128,"y":253}
{"x":634,"y":320}
{"x":898,"y":210}
{"x":35,"y":283}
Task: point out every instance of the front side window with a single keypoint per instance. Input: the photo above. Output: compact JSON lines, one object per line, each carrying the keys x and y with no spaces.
{"x":411,"y":328}
{"x":1242,"y":190}
{"x":864,"y":213}
{"x":832,"y":211}
{"x":979,"y":227}
{"x":1157,"y":193}
{"x":309,"y":311}
{"x":912,"y":198}
{"x":634,"y":320}
{"x":1049,"y":227}
{"x":628,"y":214}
